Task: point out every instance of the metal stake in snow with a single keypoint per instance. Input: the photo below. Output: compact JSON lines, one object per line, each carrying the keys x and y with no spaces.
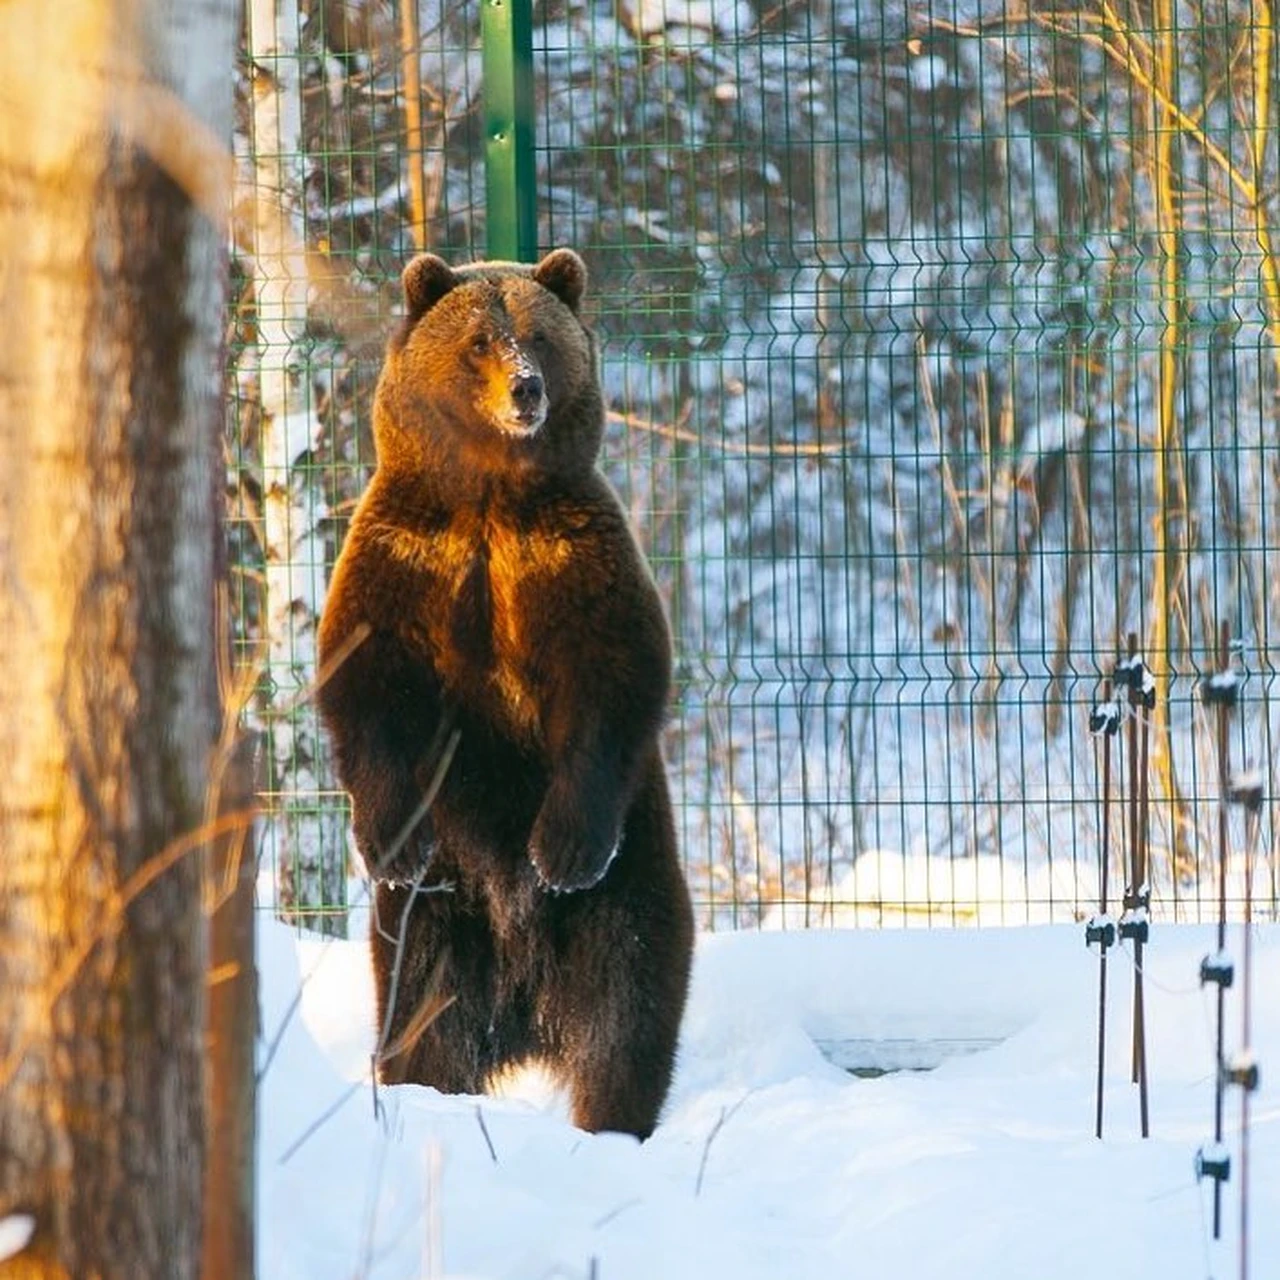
{"x":1246,"y":790}
{"x":1133,"y":674}
{"x":1104,"y":721}
{"x":1221,"y":690}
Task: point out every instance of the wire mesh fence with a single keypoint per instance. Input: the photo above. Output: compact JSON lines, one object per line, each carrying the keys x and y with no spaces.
{"x":942,"y":350}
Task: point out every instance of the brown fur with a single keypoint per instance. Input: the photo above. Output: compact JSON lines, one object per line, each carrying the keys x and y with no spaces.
{"x":515,"y":640}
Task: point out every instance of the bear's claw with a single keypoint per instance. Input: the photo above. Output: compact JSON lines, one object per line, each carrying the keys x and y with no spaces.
{"x":405,"y":864}
{"x":566,"y":853}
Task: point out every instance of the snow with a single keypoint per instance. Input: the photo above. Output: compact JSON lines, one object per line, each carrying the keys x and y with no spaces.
{"x":1245,"y":788}
{"x":929,"y":73}
{"x":16,"y":1230}
{"x":771,"y":1161}
{"x":652,"y":17}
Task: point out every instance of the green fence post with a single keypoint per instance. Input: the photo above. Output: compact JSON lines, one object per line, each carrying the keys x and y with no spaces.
{"x":511,"y":224}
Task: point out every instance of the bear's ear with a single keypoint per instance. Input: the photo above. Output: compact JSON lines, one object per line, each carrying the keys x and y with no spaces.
{"x":426,"y":280}
{"x":565,"y":274}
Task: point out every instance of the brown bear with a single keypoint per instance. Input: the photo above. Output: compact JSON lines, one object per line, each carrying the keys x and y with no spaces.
{"x":496,"y":666}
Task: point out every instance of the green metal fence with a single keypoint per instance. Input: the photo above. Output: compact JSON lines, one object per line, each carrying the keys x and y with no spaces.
{"x":942,"y":348}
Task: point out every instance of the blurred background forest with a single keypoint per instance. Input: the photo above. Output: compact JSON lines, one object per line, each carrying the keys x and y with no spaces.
{"x":942,"y":348}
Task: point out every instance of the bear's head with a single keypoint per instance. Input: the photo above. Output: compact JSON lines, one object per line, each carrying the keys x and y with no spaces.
{"x":492,"y":370}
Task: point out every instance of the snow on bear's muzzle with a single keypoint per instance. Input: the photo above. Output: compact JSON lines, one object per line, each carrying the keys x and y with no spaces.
{"x":524,"y":403}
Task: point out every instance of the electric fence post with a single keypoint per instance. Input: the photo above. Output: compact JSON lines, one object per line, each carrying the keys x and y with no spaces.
{"x":1220,"y":692}
{"x":1135,"y":923}
{"x":1242,"y":1072}
{"x":511,"y":211}
{"x":1104,"y":722}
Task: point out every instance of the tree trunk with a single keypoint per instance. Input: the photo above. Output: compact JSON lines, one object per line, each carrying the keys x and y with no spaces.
{"x":1169,"y":624}
{"x":112,"y":290}
{"x":230,"y":1183}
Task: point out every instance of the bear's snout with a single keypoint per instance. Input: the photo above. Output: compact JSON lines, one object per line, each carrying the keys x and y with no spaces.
{"x":526,"y":393}
{"x":527,"y":402}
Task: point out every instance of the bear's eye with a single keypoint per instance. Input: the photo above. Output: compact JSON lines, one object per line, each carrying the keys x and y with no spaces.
{"x":539,"y":339}
{"x":480,"y":343}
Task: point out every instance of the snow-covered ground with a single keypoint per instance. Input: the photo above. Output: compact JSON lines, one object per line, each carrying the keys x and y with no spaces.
{"x":772,"y":1162}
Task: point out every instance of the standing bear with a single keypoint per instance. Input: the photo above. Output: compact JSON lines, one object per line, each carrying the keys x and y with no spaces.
{"x":496,"y":667}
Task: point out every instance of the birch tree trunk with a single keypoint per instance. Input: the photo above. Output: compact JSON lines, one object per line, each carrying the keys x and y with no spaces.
{"x":305,"y":833}
{"x":1169,"y":628}
{"x":113,"y":178}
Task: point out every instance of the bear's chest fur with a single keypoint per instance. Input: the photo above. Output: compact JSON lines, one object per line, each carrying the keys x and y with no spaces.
{"x":481,"y":613}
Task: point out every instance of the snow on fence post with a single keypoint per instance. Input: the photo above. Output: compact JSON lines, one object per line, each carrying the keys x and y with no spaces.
{"x":306,"y":836}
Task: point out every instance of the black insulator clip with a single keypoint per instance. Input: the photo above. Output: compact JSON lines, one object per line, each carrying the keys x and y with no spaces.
{"x":1217,"y":969}
{"x":1135,"y":924}
{"x":1134,"y":674}
{"x":1242,"y":1072}
{"x":1245,"y":788}
{"x":1106,"y":718}
{"x":1102,"y":929}
{"x":1222,"y":689}
{"x":1213,"y":1162}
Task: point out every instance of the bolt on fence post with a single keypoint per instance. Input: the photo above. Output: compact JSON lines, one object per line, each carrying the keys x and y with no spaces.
{"x":511,"y":223}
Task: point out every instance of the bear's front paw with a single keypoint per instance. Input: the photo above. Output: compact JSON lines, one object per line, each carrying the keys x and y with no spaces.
{"x":402,"y":857}
{"x":570,"y":848}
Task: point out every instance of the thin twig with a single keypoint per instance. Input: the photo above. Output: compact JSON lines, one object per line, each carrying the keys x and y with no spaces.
{"x":323,"y":1118}
{"x":434,"y":1243}
{"x":725,"y":1116}
{"x":113,"y":910}
{"x":373,"y":1197}
{"x":484,"y":1129}
{"x":616,"y":1212}
{"x":274,"y":1043}
{"x":734,"y":449}
{"x":428,"y":797}
{"x":418,"y":1023}
{"x":295,"y":1003}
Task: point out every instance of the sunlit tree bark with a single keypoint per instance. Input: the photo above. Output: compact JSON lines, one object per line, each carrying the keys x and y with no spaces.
{"x":114,"y":121}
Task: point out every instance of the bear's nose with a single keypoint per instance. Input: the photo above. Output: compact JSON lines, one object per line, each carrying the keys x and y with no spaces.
{"x":526,"y":392}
